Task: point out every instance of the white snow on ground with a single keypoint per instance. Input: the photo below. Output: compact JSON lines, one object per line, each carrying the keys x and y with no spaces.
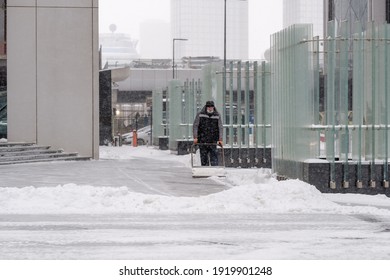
{"x":251,"y":191}
{"x":129,"y":152}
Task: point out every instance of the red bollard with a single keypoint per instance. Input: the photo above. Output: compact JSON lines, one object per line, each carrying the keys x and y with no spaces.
{"x":134,"y":138}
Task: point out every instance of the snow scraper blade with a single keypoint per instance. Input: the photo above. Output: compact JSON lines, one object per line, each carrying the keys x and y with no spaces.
{"x":207,"y":171}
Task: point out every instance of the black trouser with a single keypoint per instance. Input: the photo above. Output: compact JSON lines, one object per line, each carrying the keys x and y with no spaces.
{"x":208,"y":155}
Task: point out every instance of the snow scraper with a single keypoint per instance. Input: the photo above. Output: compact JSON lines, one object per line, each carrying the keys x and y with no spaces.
{"x":199,"y":171}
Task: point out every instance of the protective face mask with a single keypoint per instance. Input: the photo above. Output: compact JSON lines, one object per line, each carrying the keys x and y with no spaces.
{"x":210,"y":110}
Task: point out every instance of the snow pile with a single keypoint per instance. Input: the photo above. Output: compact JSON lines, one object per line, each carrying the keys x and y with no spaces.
{"x":71,"y":198}
{"x":252,"y":191}
{"x":249,"y":191}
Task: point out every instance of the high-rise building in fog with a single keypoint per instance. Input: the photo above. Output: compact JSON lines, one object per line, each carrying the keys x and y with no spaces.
{"x":202,"y":23}
{"x":152,"y":31}
{"x":304,"y":11}
{"x":357,"y":11}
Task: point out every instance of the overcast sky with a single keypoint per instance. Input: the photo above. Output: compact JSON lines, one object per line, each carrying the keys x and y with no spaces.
{"x":265,"y":18}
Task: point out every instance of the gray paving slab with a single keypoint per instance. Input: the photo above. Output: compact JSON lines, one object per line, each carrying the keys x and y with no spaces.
{"x":139,"y":174}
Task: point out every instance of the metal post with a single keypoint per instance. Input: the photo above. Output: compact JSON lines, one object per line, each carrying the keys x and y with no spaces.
{"x":173,"y":59}
{"x":136,"y":120}
{"x":151,"y":125}
{"x":224,"y":40}
{"x":224,"y":69}
{"x":224,"y":76}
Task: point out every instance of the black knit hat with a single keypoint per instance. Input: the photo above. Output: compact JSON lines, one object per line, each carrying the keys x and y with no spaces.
{"x":210,"y":104}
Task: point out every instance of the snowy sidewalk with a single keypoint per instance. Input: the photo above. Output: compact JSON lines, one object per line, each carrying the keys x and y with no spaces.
{"x":142,"y":203}
{"x":148,"y":180}
{"x":144,"y":170}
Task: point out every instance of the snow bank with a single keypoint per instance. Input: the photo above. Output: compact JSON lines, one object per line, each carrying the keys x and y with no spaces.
{"x":251,"y":191}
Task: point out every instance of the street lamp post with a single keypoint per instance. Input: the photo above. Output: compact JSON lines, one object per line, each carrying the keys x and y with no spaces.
{"x":224,"y":64}
{"x":173,"y":54}
{"x":224,"y":39}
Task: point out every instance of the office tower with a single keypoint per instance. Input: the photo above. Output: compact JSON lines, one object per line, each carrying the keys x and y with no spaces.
{"x":362,"y":11}
{"x":152,"y":31}
{"x":202,"y":23}
{"x":304,"y":11}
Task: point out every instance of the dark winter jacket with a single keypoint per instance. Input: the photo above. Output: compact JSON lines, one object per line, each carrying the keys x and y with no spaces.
{"x":208,"y":127}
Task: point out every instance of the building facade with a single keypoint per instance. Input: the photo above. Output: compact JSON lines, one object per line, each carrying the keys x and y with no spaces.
{"x":304,"y":11}
{"x":202,"y":23}
{"x":53,"y":74}
{"x":133,"y":95}
{"x":357,"y":11}
{"x":152,"y":31}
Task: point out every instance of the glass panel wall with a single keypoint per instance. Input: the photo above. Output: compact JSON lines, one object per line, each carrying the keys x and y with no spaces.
{"x":356,"y":104}
{"x":293,"y":97}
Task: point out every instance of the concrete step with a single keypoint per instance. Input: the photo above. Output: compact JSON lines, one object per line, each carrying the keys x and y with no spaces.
{"x":10,"y":144}
{"x":37,"y":156}
{"x":26,"y":152}
{"x":44,"y":160}
{"x":17,"y":148}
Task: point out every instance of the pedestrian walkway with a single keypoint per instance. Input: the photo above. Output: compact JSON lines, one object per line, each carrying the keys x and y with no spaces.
{"x":166,"y":214}
{"x":143,"y":175}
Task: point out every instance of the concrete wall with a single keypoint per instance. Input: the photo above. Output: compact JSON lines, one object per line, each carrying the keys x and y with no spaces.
{"x":53,"y":82}
{"x":151,"y":79}
{"x":379,"y":11}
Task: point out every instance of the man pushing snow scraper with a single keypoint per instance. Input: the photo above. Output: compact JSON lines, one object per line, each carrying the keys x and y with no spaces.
{"x":208,"y":132}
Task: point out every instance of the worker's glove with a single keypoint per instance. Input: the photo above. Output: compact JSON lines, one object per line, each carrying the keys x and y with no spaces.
{"x":220,"y":143}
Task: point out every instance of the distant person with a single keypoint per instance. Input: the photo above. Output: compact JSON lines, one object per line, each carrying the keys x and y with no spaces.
{"x":208,"y":129}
